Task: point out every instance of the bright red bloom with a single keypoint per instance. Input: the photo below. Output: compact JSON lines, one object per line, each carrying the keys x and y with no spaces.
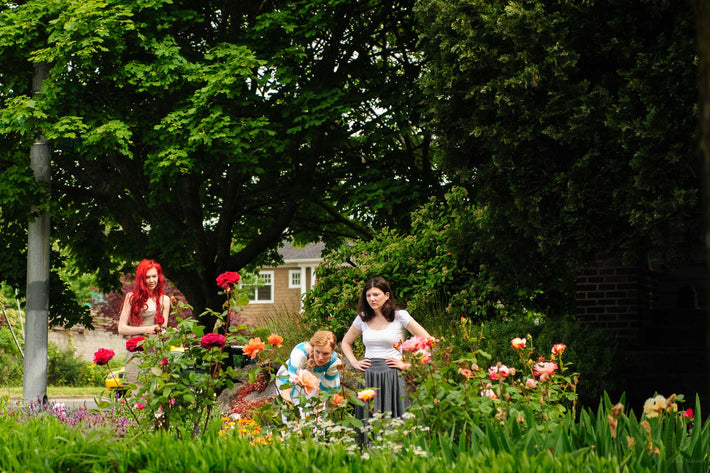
{"x":275,"y":340}
{"x":227,"y":280}
{"x":213,"y":340}
{"x":135,"y":344}
{"x":254,"y":347}
{"x":163,"y":362}
{"x":688,"y":413}
{"x":103,"y":356}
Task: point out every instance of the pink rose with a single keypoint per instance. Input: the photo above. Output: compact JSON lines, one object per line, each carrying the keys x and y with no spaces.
{"x":163,"y":362}
{"x":502,"y":371}
{"x":213,"y":340}
{"x":530,"y":383}
{"x":414,"y":344}
{"x":489,"y":394}
{"x":544,"y":368}
{"x":465,"y":372}
{"x":558,"y":348}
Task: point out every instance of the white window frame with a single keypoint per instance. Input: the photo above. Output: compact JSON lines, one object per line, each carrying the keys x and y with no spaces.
{"x":291,"y":274}
{"x":255,"y":299}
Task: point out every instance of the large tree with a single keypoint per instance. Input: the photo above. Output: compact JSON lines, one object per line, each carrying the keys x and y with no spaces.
{"x":574,"y":122}
{"x":203,"y":133}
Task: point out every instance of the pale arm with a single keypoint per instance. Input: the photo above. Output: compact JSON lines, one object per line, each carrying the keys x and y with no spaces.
{"x":415,"y":329}
{"x":165,"y":307}
{"x":347,"y":346}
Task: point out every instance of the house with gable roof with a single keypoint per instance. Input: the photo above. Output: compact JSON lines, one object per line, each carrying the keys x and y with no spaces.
{"x":282,"y":287}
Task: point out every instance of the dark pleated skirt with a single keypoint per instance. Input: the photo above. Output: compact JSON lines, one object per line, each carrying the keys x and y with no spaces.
{"x":391,"y":396}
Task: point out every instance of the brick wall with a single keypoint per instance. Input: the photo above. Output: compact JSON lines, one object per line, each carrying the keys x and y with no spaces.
{"x":613,"y":298}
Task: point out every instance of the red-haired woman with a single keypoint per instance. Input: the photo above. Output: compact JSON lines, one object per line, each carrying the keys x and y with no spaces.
{"x":145,"y":310}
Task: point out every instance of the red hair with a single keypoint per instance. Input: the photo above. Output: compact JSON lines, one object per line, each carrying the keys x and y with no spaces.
{"x":141,"y":293}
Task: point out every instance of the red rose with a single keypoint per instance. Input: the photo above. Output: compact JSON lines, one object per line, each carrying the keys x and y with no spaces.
{"x":163,"y":362}
{"x":227,"y":280}
{"x":134,"y":344}
{"x":103,"y":356}
{"x":159,"y":319}
{"x":213,"y":340}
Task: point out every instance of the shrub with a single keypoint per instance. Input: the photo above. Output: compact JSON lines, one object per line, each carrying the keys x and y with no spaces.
{"x":11,"y":362}
{"x":429,"y":269}
{"x":588,"y":350}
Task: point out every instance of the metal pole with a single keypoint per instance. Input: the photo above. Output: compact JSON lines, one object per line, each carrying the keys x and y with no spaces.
{"x":37,"y":310}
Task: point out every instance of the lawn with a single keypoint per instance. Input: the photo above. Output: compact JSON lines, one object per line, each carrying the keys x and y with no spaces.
{"x":56,"y":391}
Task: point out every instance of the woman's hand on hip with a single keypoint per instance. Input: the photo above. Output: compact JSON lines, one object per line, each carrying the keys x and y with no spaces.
{"x":362,"y":365}
{"x":396,"y":363}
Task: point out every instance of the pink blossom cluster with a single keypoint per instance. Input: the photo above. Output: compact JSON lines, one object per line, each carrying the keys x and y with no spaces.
{"x":544,"y":369}
{"x":500,"y":371}
{"x":417,"y":343}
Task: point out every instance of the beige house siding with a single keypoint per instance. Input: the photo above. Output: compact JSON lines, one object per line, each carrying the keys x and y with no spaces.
{"x":286,"y":298}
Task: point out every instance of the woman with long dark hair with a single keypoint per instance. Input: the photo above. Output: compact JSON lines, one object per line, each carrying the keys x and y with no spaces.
{"x":382,"y":325}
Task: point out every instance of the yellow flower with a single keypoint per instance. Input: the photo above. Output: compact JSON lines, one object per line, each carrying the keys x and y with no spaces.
{"x":366,"y":394}
{"x":654,"y":406}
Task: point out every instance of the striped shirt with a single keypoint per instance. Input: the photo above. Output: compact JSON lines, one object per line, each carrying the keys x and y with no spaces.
{"x":328,"y":374}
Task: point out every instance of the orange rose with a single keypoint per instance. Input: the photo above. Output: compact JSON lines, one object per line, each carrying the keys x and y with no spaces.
{"x":254,"y":347}
{"x":275,"y":340}
{"x":338,"y":399}
{"x":307,"y":381}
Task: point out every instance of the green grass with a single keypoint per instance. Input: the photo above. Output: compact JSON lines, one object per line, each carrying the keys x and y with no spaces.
{"x":56,"y":391}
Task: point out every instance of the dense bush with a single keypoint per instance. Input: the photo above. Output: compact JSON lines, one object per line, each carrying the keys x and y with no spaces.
{"x":588,"y":350}
{"x":65,"y":369}
{"x":63,"y":366}
{"x":429,"y":269}
{"x":11,"y":362}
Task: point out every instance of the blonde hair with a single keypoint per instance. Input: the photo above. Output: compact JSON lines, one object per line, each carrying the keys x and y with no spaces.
{"x":321,"y":338}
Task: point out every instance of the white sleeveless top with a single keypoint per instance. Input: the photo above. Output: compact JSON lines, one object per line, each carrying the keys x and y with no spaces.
{"x":380,"y":343}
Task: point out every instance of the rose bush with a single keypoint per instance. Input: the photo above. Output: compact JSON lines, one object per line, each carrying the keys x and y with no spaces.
{"x":135,"y":344}
{"x":181,"y":371}
{"x":447,"y":392}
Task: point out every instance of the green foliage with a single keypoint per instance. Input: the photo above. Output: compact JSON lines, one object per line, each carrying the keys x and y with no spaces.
{"x":11,"y":362}
{"x":180,"y":372}
{"x":430,"y":270}
{"x":203,"y":136}
{"x":588,"y":350}
{"x":573,"y":123}
{"x":65,"y":369}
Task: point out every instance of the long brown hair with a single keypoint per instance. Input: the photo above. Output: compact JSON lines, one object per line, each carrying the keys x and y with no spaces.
{"x":388,"y":308}
{"x":141,"y":293}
